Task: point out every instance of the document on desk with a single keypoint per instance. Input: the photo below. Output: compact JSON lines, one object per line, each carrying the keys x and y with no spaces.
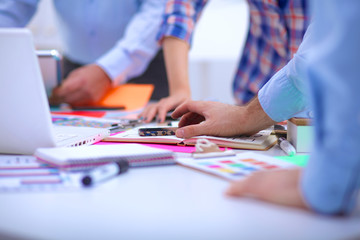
{"x":262,"y":140}
{"x":26,"y":173}
{"x":234,"y":167}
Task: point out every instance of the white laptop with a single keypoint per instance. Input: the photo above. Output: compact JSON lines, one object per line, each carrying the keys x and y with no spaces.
{"x":25,"y":120}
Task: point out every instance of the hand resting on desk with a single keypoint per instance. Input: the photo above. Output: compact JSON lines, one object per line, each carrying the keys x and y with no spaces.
{"x":277,"y":186}
{"x":218,"y":119}
{"x":83,"y":86}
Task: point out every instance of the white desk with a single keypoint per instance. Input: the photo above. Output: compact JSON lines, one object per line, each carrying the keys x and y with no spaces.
{"x":169,"y":202}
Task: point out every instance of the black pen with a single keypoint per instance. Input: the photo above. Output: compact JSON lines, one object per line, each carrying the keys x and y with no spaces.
{"x":104,"y":172}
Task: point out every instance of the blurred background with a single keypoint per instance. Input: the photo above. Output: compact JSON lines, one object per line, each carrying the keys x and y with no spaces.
{"x":219,"y":37}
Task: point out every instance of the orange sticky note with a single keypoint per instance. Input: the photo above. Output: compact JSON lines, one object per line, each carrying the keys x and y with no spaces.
{"x":131,"y":96}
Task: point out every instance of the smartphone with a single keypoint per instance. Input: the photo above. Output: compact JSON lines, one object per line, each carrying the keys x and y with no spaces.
{"x":157,"y":131}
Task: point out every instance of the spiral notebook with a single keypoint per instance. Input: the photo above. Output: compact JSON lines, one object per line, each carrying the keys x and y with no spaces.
{"x":91,"y":156}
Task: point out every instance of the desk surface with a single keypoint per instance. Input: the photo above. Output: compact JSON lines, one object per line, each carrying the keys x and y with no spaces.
{"x":168,"y":202}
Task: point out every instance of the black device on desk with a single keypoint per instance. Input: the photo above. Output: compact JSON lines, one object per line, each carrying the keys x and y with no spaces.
{"x":157,"y":131}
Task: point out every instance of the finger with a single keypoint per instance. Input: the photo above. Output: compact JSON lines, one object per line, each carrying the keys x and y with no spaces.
{"x":190,"y":118}
{"x":143,"y":115}
{"x":55,"y":98}
{"x":252,"y":185}
{"x":191,"y":106}
{"x":238,"y":188}
{"x":150,"y":114}
{"x":145,"y":110}
{"x":76,"y":98}
{"x":69,"y":85}
{"x":192,"y":130}
{"x":163,"y":109}
{"x":64,"y":91}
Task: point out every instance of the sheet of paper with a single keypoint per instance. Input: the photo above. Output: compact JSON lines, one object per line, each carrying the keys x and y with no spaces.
{"x":254,"y":139}
{"x":300,"y":160}
{"x":26,"y":173}
{"x":131,"y":96}
{"x":97,"y":114}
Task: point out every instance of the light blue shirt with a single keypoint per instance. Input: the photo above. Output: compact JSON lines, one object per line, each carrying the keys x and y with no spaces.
{"x":284,"y":96}
{"x":118,"y":35}
{"x":327,"y":69}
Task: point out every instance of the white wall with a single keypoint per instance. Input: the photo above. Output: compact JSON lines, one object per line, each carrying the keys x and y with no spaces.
{"x":216,"y":48}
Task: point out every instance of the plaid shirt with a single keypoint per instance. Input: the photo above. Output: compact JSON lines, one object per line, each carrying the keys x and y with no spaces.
{"x":275,"y":32}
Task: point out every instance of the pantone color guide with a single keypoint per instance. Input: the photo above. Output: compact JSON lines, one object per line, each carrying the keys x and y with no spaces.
{"x":236,"y":167}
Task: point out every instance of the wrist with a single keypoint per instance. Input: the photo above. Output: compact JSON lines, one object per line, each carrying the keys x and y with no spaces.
{"x":256,"y":118}
{"x":183,"y":91}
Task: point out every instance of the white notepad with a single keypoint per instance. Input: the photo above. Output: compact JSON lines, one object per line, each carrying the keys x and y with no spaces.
{"x":91,"y":156}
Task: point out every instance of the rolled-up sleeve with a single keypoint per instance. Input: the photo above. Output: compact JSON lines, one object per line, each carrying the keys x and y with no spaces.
{"x":285,"y":94}
{"x":132,"y":54}
{"x":180,"y":18}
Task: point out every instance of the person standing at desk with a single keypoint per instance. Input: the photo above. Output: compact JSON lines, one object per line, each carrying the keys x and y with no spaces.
{"x":325,"y":70}
{"x":105,"y":43}
{"x":275,"y":31}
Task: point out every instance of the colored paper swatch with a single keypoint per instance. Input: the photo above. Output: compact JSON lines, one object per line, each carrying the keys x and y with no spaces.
{"x":97,"y":114}
{"x":131,"y":96}
{"x":235,"y":167}
{"x":300,"y":160}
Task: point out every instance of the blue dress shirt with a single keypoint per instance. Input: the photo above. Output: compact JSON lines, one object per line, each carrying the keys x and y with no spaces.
{"x":118,"y":35}
{"x":326,"y":71}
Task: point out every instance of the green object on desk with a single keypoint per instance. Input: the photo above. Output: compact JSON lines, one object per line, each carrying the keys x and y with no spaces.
{"x":300,"y":160}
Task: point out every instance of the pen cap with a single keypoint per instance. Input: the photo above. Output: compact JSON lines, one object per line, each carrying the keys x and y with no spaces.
{"x":280,"y":139}
{"x":123,"y":165}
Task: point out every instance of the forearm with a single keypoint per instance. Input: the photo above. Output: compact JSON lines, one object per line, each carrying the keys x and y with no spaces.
{"x":176,"y":53}
{"x":176,"y":61}
{"x":256,"y":118}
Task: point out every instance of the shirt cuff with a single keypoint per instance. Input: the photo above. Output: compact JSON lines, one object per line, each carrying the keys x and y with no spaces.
{"x":116,"y":66}
{"x":280,"y":98}
{"x":174,"y":27}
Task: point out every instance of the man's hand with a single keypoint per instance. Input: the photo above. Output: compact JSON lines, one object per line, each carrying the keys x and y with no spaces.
{"x":83,"y":86}
{"x":276,"y":186}
{"x":219,"y":119}
{"x":161,"y":108}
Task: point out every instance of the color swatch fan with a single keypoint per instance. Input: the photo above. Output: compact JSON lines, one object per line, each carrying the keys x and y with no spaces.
{"x":235,"y":167}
